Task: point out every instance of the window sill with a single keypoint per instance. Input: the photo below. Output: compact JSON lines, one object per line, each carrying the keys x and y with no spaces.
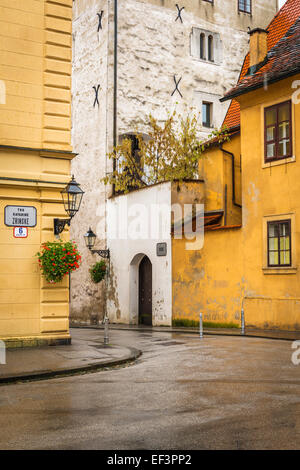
{"x":280,"y":270}
{"x":205,"y":61}
{"x":282,"y":161}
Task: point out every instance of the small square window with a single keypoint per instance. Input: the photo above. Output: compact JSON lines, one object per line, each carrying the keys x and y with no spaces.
{"x":279,"y":243}
{"x":245,"y":6}
{"x":206,"y":114}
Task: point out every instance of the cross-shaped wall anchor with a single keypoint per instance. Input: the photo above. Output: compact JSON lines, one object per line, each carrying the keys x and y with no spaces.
{"x":100,"y":15}
{"x":97,"y":88}
{"x":176,"y":86}
{"x":179,"y":10}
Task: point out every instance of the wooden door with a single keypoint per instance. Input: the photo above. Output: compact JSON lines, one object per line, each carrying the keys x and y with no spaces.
{"x":145,"y":292}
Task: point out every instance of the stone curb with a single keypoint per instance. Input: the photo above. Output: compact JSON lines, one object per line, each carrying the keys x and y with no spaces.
{"x":133,"y":355}
{"x":189,"y":331}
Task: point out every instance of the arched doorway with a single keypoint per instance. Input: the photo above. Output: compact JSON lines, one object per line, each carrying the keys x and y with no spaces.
{"x":145,"y":291}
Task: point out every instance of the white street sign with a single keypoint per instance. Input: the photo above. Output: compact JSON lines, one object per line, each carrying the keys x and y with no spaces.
{"x":20,"y":216}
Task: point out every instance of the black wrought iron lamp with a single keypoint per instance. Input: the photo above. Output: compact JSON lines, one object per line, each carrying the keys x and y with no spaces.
{"x":90,"y":239}
{"x":72,"y":196}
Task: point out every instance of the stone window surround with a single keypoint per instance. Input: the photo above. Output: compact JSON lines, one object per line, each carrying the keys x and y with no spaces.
{"x":201,"y":97}
{"x":195,"y":45}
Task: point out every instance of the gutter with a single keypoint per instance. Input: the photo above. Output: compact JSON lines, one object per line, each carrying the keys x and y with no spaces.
{"x":259,"y":85}
{"x":115,"y":82}
{"x":233,"y":176}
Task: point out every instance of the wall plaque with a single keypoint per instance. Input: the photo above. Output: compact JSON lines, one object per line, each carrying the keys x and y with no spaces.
{"x":20,"y":216}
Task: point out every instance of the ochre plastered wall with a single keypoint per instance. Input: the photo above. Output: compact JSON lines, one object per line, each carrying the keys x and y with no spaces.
{"x":231,"y":269}
{"x":208,"y":280}
{"x":269,"y":191}
{"x":35,"y":154}
{"x":215,"y":167}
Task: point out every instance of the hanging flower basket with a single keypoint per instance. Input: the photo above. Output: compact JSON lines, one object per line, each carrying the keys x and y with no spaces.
{"x":57,"y":259}
{"x":98,"y":271}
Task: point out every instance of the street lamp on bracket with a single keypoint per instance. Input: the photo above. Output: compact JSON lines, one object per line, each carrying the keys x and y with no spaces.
{"x":72,"y":197}
{"x":90,"y":239}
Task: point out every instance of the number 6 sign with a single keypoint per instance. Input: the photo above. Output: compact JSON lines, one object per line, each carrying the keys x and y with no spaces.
{"x":20,"y":232}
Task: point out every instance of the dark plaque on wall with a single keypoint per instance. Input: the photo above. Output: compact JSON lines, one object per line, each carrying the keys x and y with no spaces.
{"x":161,"y":249}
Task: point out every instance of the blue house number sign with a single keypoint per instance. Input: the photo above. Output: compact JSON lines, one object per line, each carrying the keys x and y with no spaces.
{"x":20,"y":232}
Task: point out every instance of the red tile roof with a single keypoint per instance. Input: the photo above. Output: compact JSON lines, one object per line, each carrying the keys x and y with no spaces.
{"x":232,"y":117}
{"x":277,"y":29}
{"x":282,"y":61}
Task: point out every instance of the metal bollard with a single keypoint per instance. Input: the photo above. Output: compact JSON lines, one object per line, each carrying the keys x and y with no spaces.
{"x":106,"y":336}
{"x":200,"y":326}
{"x":242,"y":321}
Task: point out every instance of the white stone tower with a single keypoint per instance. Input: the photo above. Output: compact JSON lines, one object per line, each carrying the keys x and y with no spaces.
{"x":151,"y":56}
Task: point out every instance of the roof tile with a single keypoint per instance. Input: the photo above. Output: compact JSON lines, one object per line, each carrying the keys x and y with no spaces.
{"x":279,"y":26}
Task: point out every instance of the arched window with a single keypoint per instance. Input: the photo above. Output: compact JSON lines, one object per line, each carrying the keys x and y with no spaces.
{"x":210,"y":48}
{"x":202,"y":46}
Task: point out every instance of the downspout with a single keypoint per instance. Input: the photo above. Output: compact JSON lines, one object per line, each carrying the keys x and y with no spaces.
{"x":115,"y":82}
{"x":225,"y":204}
{"x":233,"y":176}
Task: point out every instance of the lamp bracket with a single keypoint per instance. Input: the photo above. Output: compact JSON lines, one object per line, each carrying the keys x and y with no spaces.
{"x":59,"y":225}
{"x":102,"y":253}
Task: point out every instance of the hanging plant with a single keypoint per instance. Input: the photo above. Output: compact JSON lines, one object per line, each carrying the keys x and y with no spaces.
{"x":98,"y":271}
{"x":57,"y":259}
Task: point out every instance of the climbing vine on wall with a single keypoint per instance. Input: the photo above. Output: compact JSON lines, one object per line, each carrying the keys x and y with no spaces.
{"x":171,"y":152}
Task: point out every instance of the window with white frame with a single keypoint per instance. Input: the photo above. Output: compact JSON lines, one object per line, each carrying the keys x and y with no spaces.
{"x":206,"y":45}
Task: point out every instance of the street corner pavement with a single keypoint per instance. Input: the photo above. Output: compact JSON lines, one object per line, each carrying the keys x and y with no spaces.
{"x":86,"y":353}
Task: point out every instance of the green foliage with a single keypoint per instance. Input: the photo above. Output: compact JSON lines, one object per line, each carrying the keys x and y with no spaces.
{"x":171,"y":152}
{"x":185,"y":322}
{"x":57,"y":259}
{"x":98,"y":271}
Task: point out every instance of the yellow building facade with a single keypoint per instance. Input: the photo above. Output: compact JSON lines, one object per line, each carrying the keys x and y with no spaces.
{"x":35,"y":155}
{"x":250,"y":259}
{"x":210,"y":280}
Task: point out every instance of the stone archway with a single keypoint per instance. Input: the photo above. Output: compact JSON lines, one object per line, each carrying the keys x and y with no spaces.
{"x":145,"y":291}
{"x":134,"y":287}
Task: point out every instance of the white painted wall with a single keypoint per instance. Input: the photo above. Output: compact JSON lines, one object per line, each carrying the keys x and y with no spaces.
{"x":90,"y":141}
{"x":126,"y":255}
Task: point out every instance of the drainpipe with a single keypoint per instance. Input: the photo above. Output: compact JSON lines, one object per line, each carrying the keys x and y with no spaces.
{"x":115,"y":81}
{"x":225,"y":204}
{"x":233,"y":176}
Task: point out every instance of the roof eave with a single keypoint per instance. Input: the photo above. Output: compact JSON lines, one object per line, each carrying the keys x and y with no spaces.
{"x":259,"y":85}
